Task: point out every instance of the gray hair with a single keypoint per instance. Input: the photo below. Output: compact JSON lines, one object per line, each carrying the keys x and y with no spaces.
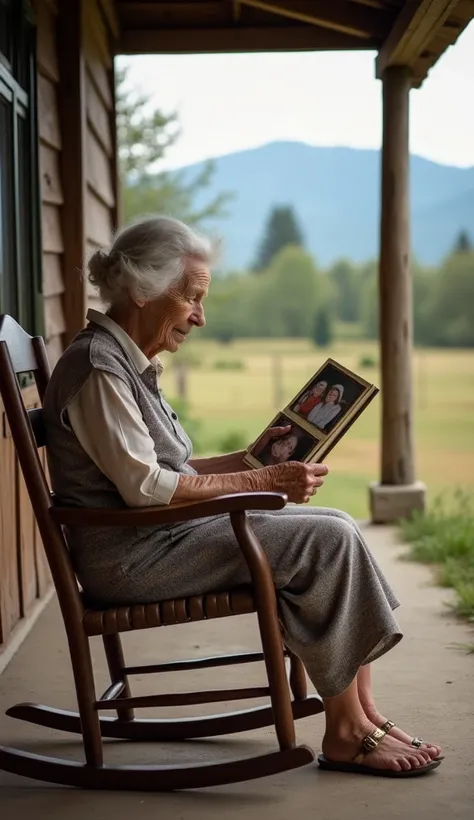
{"x":146,"y":259}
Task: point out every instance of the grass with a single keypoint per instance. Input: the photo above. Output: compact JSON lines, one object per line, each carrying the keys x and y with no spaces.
{"x":445,"y":538}
{"x":237,"y":402}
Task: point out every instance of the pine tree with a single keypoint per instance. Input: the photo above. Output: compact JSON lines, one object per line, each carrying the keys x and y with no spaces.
{"x":463,"y":243}
{"x":282,"y":229}
{"x":323,"y":331}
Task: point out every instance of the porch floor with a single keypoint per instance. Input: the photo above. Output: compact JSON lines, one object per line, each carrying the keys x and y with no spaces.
{"x":425,"y":685}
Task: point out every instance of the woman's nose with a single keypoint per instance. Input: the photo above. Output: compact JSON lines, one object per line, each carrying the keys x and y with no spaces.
{"x":199,"y":317}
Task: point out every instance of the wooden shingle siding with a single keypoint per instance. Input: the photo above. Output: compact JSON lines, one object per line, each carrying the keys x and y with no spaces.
{"x":100,"y":199}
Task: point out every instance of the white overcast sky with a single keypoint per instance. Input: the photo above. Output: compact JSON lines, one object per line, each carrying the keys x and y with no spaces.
{"x":230,"y":102}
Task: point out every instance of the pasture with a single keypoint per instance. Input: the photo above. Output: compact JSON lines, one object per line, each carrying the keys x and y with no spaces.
{"x":234,"y":390}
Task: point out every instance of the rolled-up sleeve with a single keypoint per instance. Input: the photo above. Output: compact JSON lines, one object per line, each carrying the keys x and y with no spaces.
{"x":109,"y":426}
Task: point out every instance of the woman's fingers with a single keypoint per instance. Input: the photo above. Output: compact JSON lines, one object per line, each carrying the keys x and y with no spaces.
{"x":318,"y":469}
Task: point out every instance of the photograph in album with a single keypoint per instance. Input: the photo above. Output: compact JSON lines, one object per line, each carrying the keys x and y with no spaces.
{"x":316,"y":418}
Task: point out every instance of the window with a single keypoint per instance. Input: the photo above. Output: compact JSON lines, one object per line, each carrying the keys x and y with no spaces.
{"x":20,"y":268}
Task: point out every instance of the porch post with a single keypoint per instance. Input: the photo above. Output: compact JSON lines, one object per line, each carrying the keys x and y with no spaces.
{"x":397,"y":494}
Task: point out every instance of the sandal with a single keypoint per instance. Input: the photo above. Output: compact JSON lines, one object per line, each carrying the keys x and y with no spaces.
{"x":369,"y":744}
{"x":416,"y":742}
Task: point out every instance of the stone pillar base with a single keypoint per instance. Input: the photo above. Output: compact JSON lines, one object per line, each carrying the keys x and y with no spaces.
{"x":389,"y":503}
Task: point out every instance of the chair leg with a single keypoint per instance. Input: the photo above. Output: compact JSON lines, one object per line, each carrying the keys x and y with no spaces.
{"x":298,"y":682}
{"x":116,"y":663}
{"x":270,"y":632}
{"x":81,"y":660}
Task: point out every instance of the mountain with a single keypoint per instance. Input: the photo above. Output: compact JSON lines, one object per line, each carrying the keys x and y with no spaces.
{"x":335,"y":193}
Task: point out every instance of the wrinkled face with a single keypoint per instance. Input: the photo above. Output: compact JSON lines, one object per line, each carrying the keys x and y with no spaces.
{"x":167,"y":321}
{"x":284,"y":447}
{"x":319,"y":388}
{"x":332,"y":397}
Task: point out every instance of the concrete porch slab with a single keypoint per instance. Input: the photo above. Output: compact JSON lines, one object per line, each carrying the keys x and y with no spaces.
{"x":424,"y":684}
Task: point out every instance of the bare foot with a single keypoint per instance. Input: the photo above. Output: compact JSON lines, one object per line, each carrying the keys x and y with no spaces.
{"x":375,"y":717}
{"x":390,"y":754}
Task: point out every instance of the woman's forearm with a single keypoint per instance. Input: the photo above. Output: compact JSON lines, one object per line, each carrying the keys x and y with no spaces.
{"x":217,"y":465}
{"x":201,"y":487}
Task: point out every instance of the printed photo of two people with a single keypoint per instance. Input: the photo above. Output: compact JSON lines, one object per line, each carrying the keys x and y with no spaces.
{"x":325,"y":400}
{"x":322,"y":403}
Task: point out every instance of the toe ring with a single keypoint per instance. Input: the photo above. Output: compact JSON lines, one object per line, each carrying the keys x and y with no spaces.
{"x":417,"y":742}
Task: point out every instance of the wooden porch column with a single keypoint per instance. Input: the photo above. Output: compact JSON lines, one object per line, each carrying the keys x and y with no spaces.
{"x":398,"y":493}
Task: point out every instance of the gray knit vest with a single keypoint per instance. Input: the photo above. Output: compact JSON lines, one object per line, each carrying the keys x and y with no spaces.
{"x":75,"y":478}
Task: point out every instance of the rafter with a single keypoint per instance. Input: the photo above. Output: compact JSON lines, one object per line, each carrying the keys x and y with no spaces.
{"x":414,"y":28}
{"x":238,"y":39}
{"x":344,"y":16}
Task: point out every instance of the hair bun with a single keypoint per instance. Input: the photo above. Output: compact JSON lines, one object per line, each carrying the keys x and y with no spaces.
{"x":104,"y":271}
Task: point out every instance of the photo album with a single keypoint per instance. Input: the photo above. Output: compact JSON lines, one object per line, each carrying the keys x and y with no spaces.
{"x":319,"y":415}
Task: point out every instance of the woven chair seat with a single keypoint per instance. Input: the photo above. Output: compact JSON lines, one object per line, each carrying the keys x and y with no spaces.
{"x":237,"y":601}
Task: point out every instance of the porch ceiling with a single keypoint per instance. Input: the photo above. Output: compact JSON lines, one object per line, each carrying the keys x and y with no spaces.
{"x":413,"y":33}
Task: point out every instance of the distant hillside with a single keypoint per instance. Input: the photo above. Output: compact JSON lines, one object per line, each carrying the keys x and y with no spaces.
{"x":335,"y":192}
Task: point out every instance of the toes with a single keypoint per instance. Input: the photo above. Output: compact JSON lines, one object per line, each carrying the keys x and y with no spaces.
{"x":404,"y":764}
{"x":415,"y":763}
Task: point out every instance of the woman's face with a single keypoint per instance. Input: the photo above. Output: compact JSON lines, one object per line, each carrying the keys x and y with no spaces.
{"x":319,"y":388}
{"x":284,"y":447}
{"x":166,"y":322}
{"x":332,"y":397}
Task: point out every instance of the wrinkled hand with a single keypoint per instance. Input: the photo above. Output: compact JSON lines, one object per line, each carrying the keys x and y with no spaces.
{"x":272,"y":432}
{"x":298,"y":481}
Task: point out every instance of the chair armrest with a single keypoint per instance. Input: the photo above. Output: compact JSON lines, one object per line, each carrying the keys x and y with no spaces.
{"x":172,"y":514}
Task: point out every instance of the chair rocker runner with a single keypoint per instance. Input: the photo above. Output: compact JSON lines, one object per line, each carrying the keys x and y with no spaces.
{"x":21,"y":353}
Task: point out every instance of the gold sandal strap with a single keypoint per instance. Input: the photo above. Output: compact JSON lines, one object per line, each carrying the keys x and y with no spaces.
{"x":370,"y":743}
{"x":389,"y":724}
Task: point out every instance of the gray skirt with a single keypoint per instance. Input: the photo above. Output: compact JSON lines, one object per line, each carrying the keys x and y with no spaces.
{"x":336,"y":607}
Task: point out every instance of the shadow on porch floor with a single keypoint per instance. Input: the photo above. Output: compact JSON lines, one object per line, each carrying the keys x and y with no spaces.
{"x":424,"y":685}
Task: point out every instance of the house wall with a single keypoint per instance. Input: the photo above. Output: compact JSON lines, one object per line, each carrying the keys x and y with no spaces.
{"x":100,"y":216}
{"x":77,"y":161}
{"x":52,"y":197}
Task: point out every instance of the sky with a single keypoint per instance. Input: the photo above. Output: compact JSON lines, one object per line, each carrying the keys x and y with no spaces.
{"x":231,"y":102}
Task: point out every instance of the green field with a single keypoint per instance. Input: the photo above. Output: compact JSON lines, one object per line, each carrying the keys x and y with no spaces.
{"x":242,"y":401}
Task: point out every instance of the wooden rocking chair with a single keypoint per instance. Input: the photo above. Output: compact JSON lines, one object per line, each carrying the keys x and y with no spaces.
{"x":21,"y":353}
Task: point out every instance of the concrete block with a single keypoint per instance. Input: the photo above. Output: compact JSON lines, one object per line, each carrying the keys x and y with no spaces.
{"x":389,"y":503}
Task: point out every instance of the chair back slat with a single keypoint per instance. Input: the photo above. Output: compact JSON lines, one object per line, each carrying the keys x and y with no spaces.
{"x":28,"y":433}
{"x":21,"y":352}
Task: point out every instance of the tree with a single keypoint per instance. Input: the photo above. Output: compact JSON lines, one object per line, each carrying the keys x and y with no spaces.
{"x":282,"y":229}
{"x":463,"y":243}
{"x":289,"y":294}
{"x":323,"y":331}
{"x":451,"y":318}
{"x":144,"y":136}
{"x":346,"y":283}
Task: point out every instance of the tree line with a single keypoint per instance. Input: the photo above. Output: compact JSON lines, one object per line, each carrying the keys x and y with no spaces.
{"x":286,"y":294}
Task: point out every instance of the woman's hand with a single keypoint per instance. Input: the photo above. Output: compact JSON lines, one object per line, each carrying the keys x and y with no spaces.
{"x":272,"y":432}
{"x":299,"y":481}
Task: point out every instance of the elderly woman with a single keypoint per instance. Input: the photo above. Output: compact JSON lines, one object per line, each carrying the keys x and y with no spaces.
{"x":113,"y":440}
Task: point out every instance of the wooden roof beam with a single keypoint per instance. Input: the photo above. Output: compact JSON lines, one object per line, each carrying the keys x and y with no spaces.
{"x":416,"y":25}
{"x":343,"y":16}
{"x":236,"y":40}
